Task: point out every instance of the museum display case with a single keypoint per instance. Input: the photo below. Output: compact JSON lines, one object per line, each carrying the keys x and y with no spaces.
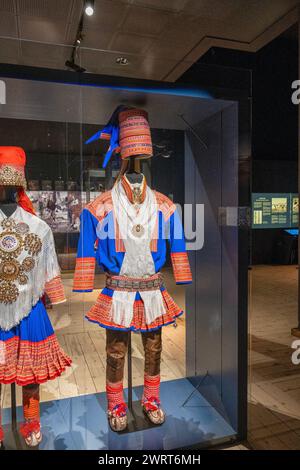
{"x":196,"y":165}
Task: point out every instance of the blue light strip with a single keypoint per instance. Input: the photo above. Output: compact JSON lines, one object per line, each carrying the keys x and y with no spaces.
{"x":193,"y":93}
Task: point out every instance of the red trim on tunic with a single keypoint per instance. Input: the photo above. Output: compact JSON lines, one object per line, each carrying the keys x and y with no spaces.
{"x":26,"y":362}
{"x":84,"y":275}
{"x":55,"y":290}
{"x":181,"y":267}
{"x":101,"y":313}
{"x":101,"y":205}
{"x":165,"y":205}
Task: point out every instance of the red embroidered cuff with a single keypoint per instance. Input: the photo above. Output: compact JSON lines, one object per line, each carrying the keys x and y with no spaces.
{"x":84,"y":274}
{"x":181,"y":268}
{"x":55,"y":290}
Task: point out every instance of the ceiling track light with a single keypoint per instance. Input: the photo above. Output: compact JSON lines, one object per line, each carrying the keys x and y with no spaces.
{"x":122,"y":61}
{"x":79,"y":38}
{"x":89,"y":7}
{"x":74,"y":67}
{"x":71,"y":64}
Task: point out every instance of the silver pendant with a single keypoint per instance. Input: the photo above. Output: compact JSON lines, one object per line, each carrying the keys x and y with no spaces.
{"x":138,"y":230}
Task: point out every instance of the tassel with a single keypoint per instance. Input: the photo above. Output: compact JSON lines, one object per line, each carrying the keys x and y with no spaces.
{"x":27,"y":428}
{"x":24,"y":201}
{"x":120,"y":410}
{"x":151,"y":404}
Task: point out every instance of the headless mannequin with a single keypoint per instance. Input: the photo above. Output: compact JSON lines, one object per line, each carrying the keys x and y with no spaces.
{"x":8,"y":203}
{"x":8,"y":206}
{"x":118,"y":344}
{"x":133,"y":171}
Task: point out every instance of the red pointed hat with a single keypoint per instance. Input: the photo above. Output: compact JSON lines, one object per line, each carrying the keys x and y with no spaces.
{"x":129,"y":134}
{"x":12,"y":164}
{"x":135,"y":136}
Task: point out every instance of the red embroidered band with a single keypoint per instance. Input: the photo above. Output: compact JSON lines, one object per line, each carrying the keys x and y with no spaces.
{"x":151,"y":388}
{"x":181,"y":267}
{"x":135,"y":135}
{"x":31,"y":402}
{"x":114,"y":393}
{"x":55,"y":290}
{"x":84,"y":274}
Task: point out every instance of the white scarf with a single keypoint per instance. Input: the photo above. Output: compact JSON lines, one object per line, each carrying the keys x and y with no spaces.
{"x":45,"y":268}
{"x":138,"y":261}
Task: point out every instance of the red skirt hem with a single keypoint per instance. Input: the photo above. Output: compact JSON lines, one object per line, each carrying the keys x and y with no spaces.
{"x":101,"y":313}
{"x":27,"y":362}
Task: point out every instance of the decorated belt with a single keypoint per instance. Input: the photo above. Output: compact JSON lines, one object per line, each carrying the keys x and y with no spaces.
{"x":130,"y":284}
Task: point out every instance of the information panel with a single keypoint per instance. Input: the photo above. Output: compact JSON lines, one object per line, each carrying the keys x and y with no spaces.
{"x":275,"y":210}
{"x":294,"y":210}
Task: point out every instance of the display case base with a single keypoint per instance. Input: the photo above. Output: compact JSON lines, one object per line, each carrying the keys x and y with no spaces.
{"x":80,"y":423}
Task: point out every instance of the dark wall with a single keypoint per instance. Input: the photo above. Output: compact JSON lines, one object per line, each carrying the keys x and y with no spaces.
{"x":274,"y":115}
{"x":274,"y":146}
{"x":275,"y":139}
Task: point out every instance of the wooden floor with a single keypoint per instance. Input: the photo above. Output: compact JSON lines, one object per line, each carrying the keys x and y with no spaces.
{"x":274,"y":382}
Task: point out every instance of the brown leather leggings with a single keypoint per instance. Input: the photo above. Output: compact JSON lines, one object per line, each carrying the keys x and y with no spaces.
{"x":116,"y":350}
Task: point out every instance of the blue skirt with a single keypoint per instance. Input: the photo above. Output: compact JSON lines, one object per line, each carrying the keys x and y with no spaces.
{"x":30,"y":352}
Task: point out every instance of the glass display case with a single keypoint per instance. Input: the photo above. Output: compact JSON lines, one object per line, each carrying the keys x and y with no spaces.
{"x":195,"y":164}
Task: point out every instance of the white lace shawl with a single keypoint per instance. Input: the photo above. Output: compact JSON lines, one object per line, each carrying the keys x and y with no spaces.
{"x":138,"y":261}
{"x":46,"y":268}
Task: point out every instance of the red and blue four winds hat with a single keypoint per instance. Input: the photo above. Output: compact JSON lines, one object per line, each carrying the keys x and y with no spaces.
{"x":12,"y":173}
{"x":129,"y":134}
{"x":12,"y":166}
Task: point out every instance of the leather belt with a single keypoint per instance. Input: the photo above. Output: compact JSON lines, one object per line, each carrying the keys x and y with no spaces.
{"x":131,"y":284}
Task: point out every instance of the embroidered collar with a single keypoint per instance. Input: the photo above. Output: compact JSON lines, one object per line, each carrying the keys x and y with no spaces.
{"x":135,"y":192}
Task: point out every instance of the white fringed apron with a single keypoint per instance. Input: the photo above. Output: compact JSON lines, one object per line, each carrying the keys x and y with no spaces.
{"x":138,"y":261}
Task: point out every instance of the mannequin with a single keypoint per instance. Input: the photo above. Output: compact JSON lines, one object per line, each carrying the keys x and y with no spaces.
{"x":30,"y":353}
{"x":8,"y":203}
{"x":133,"y":171}
{"x":134,"y":218}
{"x":8,"y":206}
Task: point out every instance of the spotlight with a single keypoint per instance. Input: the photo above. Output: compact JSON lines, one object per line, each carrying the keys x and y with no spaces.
{"x":89,"y":7}
{"x":75,"y":67}
{"x":122,"y":61}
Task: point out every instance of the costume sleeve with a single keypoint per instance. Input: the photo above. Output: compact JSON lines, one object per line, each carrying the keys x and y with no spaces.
{"x":180,"y":261}
{"x":53,"y":286}
{"x":84,"y":275}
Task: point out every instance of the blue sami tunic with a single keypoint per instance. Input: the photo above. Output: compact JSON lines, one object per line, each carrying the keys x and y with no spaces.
{"x":100,"y":242}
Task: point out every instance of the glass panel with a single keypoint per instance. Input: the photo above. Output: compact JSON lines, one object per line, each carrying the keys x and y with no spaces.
{"x":195,"y":166}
